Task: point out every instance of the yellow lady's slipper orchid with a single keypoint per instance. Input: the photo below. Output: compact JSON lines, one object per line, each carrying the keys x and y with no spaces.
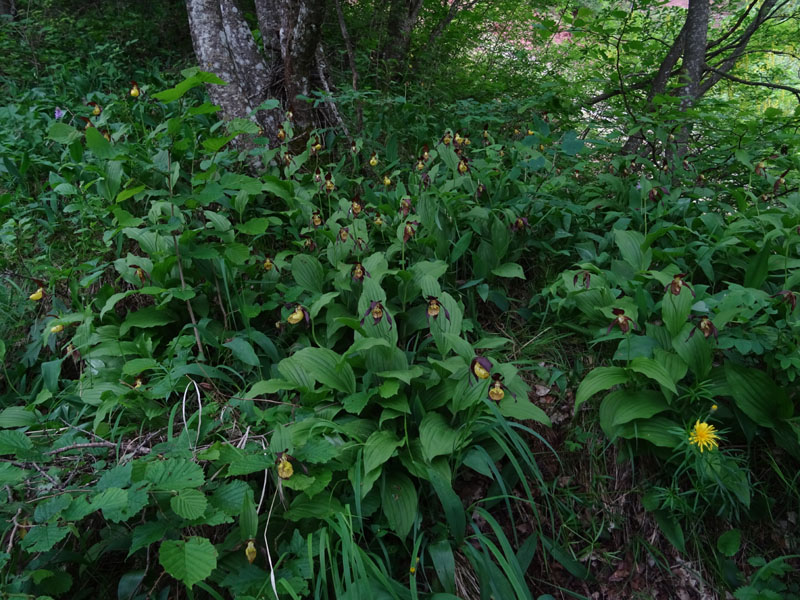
{"x":135,"y":91}
{"x":496,"y":391}
{"x":250,"y":551}
{"x":373,"y":160}
{"x":37,"y":295}
{"x":57,"y":328}
{"x":297,"y":316}
{"x":480,"y":367}
{"x":285,"y":468}
{"x":386,"y":181}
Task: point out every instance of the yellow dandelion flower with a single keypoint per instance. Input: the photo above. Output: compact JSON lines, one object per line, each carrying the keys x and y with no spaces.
{"x":703,"y":436}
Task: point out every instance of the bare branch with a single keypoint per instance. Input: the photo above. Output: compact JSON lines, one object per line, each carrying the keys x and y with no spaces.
{"x":774,"y":86}
{"x":81,"y":446}
{"x":735,"y":26}
{"x":455,"y":8}
{"x":741,"y":45}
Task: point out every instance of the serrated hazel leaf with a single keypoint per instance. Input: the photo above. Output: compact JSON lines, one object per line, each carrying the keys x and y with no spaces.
{"x":42,"y":538}
{"x":189,"y":504}
{"x":190,"y":561}
{"x":174,"y":474}
{"x":13,"y":442}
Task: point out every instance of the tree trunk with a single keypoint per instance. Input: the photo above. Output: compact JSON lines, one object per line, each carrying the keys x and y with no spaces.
{"x":287,"y":68}
{"x":403,"y":15}
{"x":8,"y":7}
{"x":696,"y":75}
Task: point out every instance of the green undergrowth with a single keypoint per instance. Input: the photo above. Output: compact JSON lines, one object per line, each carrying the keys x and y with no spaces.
{"x":315,"y":380}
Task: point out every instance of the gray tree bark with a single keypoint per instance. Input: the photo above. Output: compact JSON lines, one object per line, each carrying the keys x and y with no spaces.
{"x":8,"y":7}
{"x":697,"y":77}
{"x":287,"y":67}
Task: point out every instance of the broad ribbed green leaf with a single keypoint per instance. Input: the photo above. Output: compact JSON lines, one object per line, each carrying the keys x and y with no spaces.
{"x":295,"y":373}
{"x":146,"y":534}
{"x":49,"y":508}
{"x":63,"y":133}
{"x":601,"y":378}
{"x":378,"y":448}
{"x":652,"y":369}
{"x":190,"y":561}
{"x":110,"y":499}
{"x":255,"y":226}
{"x":144,"y":318}
{"x":671,"y":528}
{"x":243,"y":350}
{"x":327,"y":367}
{"x":189,"y":504}
{"x":757,"y":395}
{"x":137,"y":365}
{"x":13,"y":442}
{"x":248,"y":518}
{"x":522,"y":409}
{"x":193,"y":79}
{"x":308,"y":273}
{"x":656,"y":430}
{"x":270,"y":386}
{"x":675,"y":310}
{"x":17,"y":416}
{"x":437,"y":437}
{"x":729,"y":542}
{"x":696,"y":352}
{"x":174,"y":474}
{"x":98,"y":144}
{"x":623,"y":406}
{"x":630,"y":245}
{"x":509,"y":270}
{"x":399,"y":502}
{"x":42,"y":538}
{"x":453,"y":508}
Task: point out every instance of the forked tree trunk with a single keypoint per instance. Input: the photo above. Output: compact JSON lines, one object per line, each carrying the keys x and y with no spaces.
{"x":287,"y":67}
{"x":698,"y":72}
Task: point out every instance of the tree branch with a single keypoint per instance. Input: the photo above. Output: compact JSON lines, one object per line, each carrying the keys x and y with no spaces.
{"x":774,"y":86}
{"x":455,"y":7}
{"x":742,"y":41}
{"x":735,"y":26}
{"x":351,"y":58}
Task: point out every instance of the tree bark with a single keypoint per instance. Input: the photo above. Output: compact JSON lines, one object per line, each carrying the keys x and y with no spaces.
{"x":696,"y":76}
{"x":403,"y":15}
{"x":288,"y":67}
{"x":8,"y":7}
{"x":695,"y":34}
